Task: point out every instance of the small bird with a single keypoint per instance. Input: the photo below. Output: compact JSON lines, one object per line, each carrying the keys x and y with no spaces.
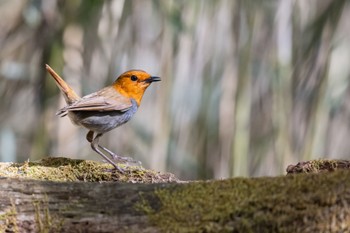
{"x":105,"y":109}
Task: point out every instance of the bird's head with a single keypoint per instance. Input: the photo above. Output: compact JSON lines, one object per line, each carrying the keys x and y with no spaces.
{"x":133,"y":84}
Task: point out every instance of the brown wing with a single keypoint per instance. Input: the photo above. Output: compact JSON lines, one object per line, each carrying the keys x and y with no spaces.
{"x":107,"y":99}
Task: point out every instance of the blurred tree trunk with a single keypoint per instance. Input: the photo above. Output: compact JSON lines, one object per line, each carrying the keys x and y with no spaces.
{"x":310,"y":61}
{"x":244,"y":91}
{"x":229,"y":103}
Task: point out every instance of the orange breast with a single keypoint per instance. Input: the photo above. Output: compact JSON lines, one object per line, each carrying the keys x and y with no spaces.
{"x":135,"y":92}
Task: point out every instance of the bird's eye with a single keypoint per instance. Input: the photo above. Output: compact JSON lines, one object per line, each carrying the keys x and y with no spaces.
{"x":133,"y":78}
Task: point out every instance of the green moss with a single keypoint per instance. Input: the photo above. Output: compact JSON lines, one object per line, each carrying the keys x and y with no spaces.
{"x":44,"y":222}
{"x":64,"y":169}
{"x":298,"y":203}
{"x":8,"y":220}
{"x":318,"y":166}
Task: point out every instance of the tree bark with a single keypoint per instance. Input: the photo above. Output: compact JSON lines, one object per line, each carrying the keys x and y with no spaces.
{"x":294,"y":203}
{"x":45,"y":206}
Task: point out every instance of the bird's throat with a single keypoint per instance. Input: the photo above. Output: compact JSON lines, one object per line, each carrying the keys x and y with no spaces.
{"x":134,"y":93}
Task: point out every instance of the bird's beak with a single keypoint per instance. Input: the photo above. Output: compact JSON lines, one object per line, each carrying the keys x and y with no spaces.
{"x":152,"y":79}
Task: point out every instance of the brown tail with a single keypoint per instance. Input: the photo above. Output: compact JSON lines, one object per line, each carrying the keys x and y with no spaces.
{"x":69,"y":94}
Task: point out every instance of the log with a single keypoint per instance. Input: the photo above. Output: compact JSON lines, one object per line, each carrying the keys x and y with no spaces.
{"x":293,"y":203}
{"x":318,"y":166}
{"x":46,"y":206}
{"x":67,"y":195}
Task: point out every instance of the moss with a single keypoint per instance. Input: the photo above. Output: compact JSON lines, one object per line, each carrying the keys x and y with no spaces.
{"x":318,"y":166}
{"x":64,"y":169}
{"x":8,"y":220}
{"x":44,"y":222}
{"x":296,"y":203}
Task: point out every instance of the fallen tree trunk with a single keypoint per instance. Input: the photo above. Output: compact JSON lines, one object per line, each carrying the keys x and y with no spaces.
{"x":67,"y":195}
{"x":45,"y":206}
{"x":295,"y":203}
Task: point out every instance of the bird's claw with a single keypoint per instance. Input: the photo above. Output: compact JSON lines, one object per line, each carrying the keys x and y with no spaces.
{"x":121,"y":159}
{"x":119,"y":169}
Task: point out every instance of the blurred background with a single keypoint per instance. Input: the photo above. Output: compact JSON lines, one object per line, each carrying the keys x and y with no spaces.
{"x":248,"y":87}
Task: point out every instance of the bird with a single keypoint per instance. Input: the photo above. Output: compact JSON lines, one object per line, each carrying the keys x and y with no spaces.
{"x":106,"y":109}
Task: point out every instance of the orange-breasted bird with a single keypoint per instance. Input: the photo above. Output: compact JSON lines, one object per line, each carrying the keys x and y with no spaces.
{"x":105,"y":109}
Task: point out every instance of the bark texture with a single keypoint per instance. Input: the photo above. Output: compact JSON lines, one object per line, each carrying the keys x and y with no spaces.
{"x":294,"y":203}
{"x":45,"y":206}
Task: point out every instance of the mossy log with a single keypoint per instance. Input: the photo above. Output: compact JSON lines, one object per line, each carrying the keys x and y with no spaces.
{"x":318,"y":166}
{"x":294,"y":203}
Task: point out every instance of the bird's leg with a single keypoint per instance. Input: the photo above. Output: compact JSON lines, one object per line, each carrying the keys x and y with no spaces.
{"x":120,"y":159}
{"x":94,"y":146}
{"x":115,"y":157}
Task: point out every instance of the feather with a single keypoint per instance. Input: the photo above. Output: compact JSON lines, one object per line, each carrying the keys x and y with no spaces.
{"x":104,"y":100}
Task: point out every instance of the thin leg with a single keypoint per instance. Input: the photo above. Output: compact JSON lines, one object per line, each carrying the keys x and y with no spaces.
{"x":94,"y":146}
{"x":115,"y":157}
{"x":118,"y":158}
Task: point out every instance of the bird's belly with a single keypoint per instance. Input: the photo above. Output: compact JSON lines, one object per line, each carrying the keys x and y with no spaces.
{"x":100,"y":122}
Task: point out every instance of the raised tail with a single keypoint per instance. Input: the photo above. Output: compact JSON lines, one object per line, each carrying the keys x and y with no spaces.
{"x":69,"y":94}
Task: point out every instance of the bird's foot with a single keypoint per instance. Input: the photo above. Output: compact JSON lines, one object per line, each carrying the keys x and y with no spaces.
{"x":119,"y":169}
{"x":121,"y":159}
{"x":115,"y":168}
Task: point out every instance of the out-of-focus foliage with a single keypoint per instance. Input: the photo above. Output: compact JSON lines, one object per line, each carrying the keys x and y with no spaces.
{"x":247,"y":88}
